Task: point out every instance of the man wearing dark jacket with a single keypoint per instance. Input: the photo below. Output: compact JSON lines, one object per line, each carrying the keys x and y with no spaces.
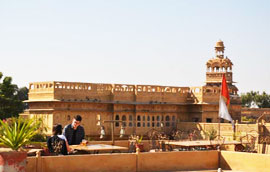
{"x":74,"y":132}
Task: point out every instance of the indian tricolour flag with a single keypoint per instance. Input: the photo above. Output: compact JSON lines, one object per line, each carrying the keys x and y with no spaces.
{"x":224,"y":101}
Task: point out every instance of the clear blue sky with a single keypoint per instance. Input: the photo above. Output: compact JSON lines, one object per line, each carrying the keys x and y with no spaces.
{"x":134,"y":42}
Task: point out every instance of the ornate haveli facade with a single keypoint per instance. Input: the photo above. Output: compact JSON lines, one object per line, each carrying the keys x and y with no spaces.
{"x":139,"y":107}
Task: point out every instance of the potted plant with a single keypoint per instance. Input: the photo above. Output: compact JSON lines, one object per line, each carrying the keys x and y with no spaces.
{"x":211,"y":134}
{"x":15,"y":133}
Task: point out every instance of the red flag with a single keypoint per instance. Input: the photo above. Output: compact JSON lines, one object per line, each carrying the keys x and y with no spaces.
{"x":224,"y":101}
{"x":224,"y":90}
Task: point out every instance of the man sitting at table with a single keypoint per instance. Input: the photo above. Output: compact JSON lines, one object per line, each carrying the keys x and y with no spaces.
{"x":74,"y":132}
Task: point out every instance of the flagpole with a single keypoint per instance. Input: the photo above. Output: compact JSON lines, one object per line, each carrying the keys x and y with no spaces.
{"x":219,"y":119}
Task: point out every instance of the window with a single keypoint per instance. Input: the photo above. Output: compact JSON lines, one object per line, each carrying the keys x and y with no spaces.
{"x":130,"y":121}
{"x":153,"y":118}
{"x":208,"y":120}
{"x":167,"y":121}
{"x":138,"y":121}
{"x":158,"y":118}
{"x":158,"y":124}
{"x":124,"y":118}
{"x":153,"y":124}
{"x":173,"y":121}
{"x":117,"y":119}
{"x":98,"y":119}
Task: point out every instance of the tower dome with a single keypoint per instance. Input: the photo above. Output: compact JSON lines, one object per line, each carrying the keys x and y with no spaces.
{"x":219,"y":44}
{"x":220,"y":49}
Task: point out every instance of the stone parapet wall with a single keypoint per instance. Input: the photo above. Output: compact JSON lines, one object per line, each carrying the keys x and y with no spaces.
{"x":92,"y":92}
{"x":157,"y":161}
{"x":248,"y":162}
{"x":255,"y":113}
{"x":142,"y":162}
{"x":70,"y":91}
{"x":41,"y":91}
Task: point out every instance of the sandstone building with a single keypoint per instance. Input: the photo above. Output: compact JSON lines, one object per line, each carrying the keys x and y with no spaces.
{"x":140,"y":107}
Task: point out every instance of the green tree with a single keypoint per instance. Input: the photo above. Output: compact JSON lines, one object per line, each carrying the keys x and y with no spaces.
{"x":23,"y":95}
{"x":10,"y":103}
{"x":262,"y":100}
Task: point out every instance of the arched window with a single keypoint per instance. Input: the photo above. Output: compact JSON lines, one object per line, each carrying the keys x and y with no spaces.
{"x":143,"y":118}
{"x":130,"y":124}
{"x":117,"y":119}
{"x":124,"y":119}
{"x":173,"y":121}
{"x":148,"y":121}
{"x":153,"y":118}
{"x":143,"y":123}
{"x":158,"y":118}
{"x":167,"y":119}
{"x":138,"y":121}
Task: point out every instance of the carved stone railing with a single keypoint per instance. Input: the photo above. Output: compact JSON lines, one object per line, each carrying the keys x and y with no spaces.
{"x":153,"y":94}
{"x":217,"y":76}
{"x":41,"y":90}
